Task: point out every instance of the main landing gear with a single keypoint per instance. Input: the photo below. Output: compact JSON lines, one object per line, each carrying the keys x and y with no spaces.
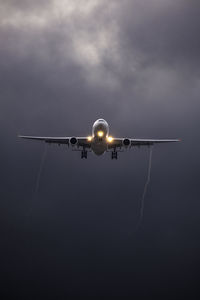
{"x":114,"y":155}
{"x":84,"y":154}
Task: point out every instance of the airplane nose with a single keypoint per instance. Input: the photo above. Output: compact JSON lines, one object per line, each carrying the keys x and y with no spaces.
{"x":100,"y":133}
{"x":100,"y":129}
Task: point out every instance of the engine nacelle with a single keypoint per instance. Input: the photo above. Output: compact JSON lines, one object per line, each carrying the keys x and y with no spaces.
{"x":126,"y":142}
{"x":73,"y":141}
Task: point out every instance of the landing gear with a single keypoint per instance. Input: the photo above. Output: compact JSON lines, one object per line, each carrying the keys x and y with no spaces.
{"x":114,"y":155}
{"x":84,"y":154}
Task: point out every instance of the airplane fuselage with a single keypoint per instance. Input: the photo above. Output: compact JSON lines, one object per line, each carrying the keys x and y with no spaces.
{"x":100,"y":133}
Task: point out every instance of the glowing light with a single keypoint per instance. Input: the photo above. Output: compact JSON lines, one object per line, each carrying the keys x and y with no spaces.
{"x":100,"y":133}
{"x":89,"y":138}
{"x":110,"y":139}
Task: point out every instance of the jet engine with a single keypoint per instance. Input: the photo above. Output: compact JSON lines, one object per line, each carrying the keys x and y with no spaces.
{"x":126,"y":142}
{"x":73,"y":141}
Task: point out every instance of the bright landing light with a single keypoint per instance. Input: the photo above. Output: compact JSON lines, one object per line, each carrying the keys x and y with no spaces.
{"x":89,"y":138}
{"x":110,"y":139}
{"x":100,"y":133}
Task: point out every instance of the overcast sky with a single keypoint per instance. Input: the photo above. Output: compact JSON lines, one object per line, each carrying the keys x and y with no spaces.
{"x":63,"y":64}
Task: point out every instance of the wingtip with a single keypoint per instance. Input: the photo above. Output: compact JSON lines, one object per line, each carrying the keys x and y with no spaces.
{"x":20,"y":136}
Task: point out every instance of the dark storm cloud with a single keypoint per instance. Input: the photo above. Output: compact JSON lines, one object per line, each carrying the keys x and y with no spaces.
{"x":166,"y":32}
{"x":14,"y":6}
{"x":62,"y":65}
{"x":133,"y":51}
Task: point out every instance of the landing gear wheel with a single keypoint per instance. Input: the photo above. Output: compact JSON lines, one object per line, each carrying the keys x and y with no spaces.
{"x":114,"y":155}
{"x":84,"y":154}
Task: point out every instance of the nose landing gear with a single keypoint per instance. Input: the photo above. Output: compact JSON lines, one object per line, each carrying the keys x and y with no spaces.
{"x":114,"y":155}
{"x":84,"y":154}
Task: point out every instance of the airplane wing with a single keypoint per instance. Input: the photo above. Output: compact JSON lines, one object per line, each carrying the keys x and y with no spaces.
{"x":127,"y":143}
{"x":74,"y":141}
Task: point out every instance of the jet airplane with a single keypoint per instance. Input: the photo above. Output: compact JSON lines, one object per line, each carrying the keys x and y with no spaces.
{"x":100,"y":141}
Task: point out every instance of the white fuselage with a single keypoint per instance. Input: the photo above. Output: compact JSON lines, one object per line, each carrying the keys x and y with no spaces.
{"x":100,"y":132}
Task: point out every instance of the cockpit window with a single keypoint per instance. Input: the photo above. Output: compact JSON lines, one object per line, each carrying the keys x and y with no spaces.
{"x":101,"y":120}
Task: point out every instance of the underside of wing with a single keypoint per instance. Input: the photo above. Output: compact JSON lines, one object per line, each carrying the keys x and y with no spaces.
{"x":73,"y":141}
{"x":147,"y":142}
{"x":127,"y":143}
{"x":57,"y":140}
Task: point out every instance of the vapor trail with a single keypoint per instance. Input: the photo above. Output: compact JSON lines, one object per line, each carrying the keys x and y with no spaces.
{"x":146,"y":184}
{"x":37,"y":184}
{"x":40,"y":170}
{"x":145,"y":189}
